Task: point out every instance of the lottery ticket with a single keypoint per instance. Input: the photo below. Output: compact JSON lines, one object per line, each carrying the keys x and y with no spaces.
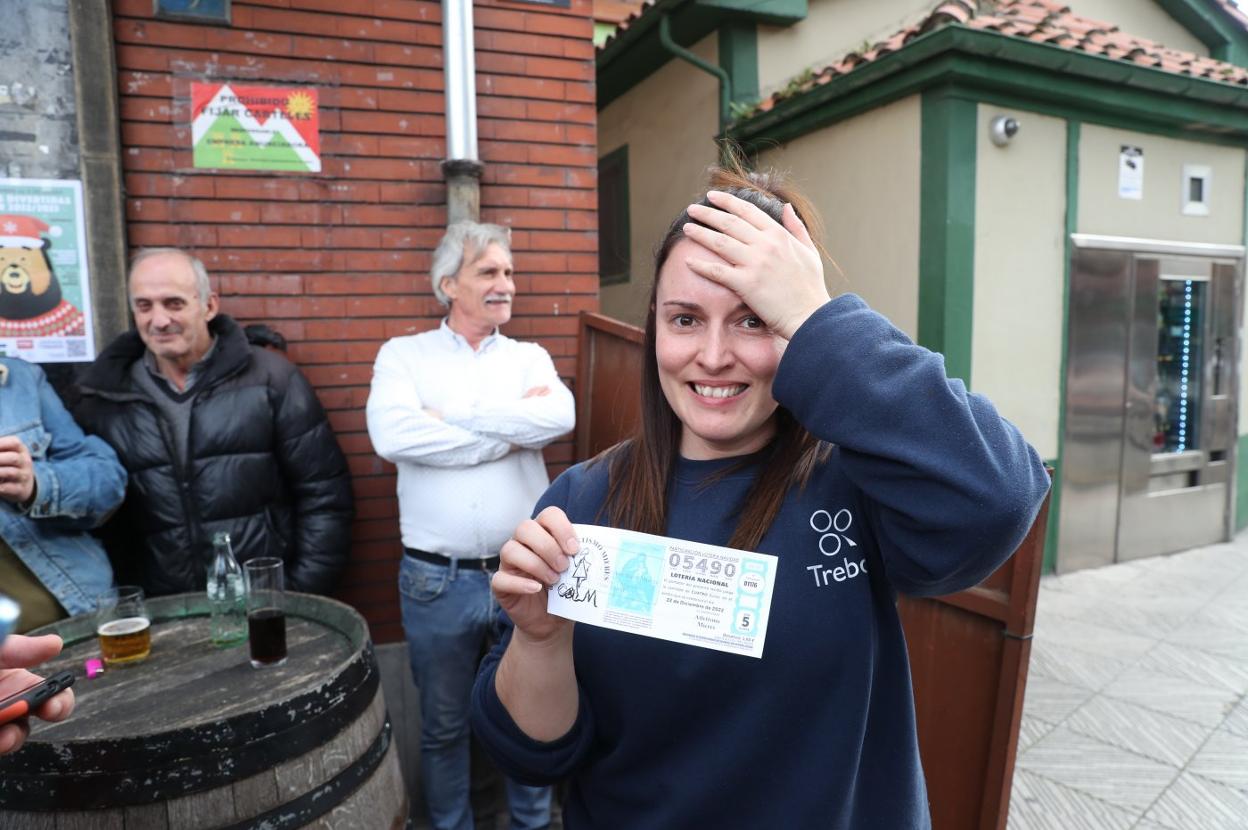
{"x":699,"y":595}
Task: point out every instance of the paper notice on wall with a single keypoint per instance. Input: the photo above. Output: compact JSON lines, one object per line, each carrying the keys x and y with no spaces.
{"x":243,"y":127}
{"x":45,"y":287}
{"x":1130,"y":172}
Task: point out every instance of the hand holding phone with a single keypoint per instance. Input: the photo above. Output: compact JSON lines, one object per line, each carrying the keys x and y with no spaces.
{"x":26,"y":693}
{"x":20,"y":704}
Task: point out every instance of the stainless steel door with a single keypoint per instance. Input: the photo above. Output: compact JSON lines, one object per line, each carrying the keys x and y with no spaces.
{"x":1152,"y":381}
{"x":1175,"y":489}
{"x":1096,"y":364}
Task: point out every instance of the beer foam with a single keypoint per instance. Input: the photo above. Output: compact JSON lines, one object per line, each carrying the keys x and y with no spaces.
{"x":126,"y":625}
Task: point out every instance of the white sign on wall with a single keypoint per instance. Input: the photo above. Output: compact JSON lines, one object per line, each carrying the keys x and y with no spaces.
{"x":1130,"y":172}
{"x":45,"y":286}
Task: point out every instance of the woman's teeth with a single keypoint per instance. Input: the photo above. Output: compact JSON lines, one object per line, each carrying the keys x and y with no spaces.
{"x":718,"y":391}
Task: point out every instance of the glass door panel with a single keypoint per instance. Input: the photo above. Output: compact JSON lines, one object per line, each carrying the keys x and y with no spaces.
{"x":1181,"y":311}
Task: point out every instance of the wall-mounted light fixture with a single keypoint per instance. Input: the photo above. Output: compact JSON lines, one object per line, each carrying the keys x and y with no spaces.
{"x":1002,"y":130}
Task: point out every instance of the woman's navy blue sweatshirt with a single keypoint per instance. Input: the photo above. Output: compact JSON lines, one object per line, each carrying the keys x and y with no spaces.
{"x":927,"y":491}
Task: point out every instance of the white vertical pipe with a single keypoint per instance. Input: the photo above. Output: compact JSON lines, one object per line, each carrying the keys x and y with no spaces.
{"x":461,"y":72}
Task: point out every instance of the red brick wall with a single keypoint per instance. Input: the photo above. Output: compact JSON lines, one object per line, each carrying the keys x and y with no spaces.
{"x":338,"y":261}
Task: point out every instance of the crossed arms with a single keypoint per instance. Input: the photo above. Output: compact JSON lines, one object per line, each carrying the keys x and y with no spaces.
{"x":403,"y":428}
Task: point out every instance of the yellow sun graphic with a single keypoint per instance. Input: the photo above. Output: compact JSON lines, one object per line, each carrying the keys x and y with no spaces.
{"x":300,"y":105}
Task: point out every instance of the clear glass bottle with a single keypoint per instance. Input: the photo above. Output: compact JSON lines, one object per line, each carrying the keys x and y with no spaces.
{"x":227,"y":596}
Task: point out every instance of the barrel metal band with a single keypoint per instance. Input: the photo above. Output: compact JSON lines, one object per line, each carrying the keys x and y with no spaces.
{"x":315,"y":803}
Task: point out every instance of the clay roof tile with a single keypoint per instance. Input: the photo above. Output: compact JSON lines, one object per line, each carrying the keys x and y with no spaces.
{"x":1032,"y":13}
{"x":988,"y":22}
{"x":955,"y":10}
{"x":1045,"y":21}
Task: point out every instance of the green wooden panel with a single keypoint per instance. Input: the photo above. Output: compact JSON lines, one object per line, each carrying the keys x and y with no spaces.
{"x":1226,"y":38}
{"x":1051,"y":542}
{"x":947,"y":228}
{"x":738,"y":56}
{"x":636,"y":53}
{"x":775,"y":12}
{"x":1241,"y":451}
{"x":1241,"y":483}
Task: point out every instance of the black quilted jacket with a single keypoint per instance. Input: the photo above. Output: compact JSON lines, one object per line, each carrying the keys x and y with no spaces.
{"x":264,"y":466}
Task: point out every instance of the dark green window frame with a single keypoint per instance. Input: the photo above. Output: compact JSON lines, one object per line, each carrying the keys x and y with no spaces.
{"x":614,"y":239}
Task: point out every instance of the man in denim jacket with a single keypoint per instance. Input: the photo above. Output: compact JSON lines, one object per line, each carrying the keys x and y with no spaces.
{"x":56,"y":483}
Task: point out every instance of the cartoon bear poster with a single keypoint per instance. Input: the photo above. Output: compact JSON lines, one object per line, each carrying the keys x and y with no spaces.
{"x":44,"y":313}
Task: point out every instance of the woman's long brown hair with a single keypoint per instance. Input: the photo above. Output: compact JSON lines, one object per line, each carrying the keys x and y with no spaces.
{"x":640,"y":468}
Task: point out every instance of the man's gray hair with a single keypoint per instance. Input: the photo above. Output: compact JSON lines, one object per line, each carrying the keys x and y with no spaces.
{"x":202,"y":286}
{"x":460,"y":239}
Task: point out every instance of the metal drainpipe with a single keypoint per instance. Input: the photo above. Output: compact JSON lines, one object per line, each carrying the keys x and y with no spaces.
{"x":725,"y":83}
{"x":461,"y":169}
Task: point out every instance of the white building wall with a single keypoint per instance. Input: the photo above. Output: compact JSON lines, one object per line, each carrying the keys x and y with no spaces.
{"x":1020,"y":225}
{"x":863,"y":176}
{"x":832,"y":29}
{"x":1142,"y":18}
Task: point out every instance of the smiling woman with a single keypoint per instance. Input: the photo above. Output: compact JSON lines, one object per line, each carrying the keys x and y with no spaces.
{"x":716,"y":360}
{"x":710,"y":359}
{"x":772,"y":415}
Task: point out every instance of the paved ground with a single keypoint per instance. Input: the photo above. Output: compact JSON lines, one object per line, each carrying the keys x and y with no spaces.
{"x":1136,"y":712}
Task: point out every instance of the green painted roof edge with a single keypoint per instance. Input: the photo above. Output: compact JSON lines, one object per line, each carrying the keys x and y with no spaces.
{"x":637,"y":29}
{"x":956,"y":53}
{"x":635,"y":53}
{"x":1213,"y":25}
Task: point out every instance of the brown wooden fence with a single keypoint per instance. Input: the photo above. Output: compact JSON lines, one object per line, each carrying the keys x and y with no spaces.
{"x":968,"y":651}
{"x":608,"y":383}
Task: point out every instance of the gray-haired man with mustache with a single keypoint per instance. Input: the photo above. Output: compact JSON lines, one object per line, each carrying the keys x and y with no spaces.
{"x":463,"y":412}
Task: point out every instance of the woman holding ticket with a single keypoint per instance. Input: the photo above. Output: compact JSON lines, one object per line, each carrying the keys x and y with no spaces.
{"x":840,"y":466}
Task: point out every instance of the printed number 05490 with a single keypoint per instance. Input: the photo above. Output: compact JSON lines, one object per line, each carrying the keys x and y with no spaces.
{"x":708,"y":567}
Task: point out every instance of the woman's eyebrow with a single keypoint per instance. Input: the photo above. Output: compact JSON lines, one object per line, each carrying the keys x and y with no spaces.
{"x":692,"y":306}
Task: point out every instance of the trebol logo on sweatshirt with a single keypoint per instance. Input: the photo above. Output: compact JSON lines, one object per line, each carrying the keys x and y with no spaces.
{"x":842,"y":562}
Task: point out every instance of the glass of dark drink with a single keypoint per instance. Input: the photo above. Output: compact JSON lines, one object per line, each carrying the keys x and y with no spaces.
{"x":266,"y":611}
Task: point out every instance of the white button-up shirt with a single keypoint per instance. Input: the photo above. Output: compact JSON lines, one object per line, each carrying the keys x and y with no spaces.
{"x":467,"y":480}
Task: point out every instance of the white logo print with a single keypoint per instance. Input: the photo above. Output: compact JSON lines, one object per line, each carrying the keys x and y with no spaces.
{"x":823,"y":521}
{"x":833,"y":539}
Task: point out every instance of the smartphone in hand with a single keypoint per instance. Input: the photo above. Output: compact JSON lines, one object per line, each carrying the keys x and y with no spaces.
{"x":21,"y":704}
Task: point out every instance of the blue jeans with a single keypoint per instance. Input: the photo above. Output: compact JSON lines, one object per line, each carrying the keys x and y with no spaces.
{"x":448,"y":614}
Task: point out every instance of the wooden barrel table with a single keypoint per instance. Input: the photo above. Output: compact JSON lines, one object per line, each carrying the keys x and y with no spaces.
{"x":194,"y":737}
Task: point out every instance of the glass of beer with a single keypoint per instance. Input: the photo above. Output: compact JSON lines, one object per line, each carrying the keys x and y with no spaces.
{"x":124,"y":629}
{"x":266,"y":611}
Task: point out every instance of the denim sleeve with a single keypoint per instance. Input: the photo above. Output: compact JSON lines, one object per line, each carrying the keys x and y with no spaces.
{"x":79,"y":482}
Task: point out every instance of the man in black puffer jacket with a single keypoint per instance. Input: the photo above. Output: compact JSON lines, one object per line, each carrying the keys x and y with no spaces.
{"x":217,"y":435}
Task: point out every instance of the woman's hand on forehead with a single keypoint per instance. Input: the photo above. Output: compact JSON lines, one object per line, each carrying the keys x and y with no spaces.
{"x":775,"y":269}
